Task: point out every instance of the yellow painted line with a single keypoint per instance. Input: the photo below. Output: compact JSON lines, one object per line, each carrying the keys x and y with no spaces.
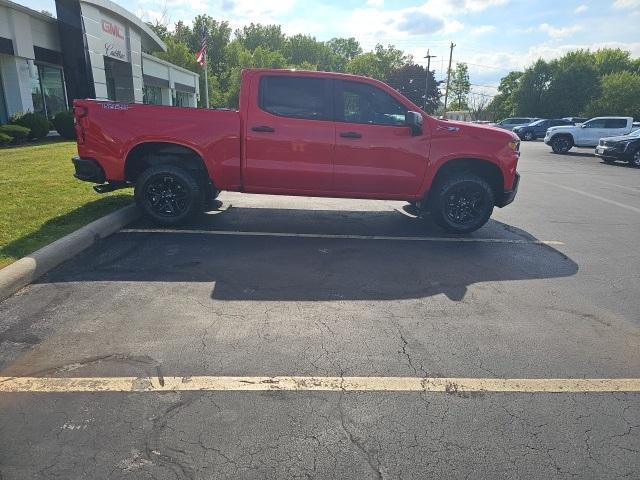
{"x":327,"y":384}
{"x":347,"y":237}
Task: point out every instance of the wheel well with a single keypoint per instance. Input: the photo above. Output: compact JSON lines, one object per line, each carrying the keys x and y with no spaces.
{"x":144,"y":155}
{"x":483,"y":168}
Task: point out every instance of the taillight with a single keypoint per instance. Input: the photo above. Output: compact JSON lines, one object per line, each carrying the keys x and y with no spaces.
{"x":80,"y":121}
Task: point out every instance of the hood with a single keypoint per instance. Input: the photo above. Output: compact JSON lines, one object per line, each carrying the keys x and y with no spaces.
{"x":474,"y":129}
{"x":563,"y":127}
{"x":621,"y":138}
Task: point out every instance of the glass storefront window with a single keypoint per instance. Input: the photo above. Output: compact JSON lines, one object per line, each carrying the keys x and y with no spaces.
{"x":36,"y":91}
{"x":53,"y":89}
{"x":47,"y":90}
{"x":151,"y":95}
{"x":3,"y":106}
{"x":182,"y":99}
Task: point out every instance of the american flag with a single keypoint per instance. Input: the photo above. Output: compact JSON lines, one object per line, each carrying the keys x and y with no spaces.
{"x":201,"y":55}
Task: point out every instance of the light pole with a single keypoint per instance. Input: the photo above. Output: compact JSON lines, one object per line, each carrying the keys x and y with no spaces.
{"x":426,"y":83}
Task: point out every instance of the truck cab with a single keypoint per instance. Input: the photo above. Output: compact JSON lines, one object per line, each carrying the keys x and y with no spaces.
{"x":588,"y":134}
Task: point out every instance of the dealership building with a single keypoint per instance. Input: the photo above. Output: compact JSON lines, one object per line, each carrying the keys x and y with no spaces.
{"x":93,"y":49}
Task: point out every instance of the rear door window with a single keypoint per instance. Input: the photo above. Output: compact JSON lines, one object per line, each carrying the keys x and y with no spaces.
{"x":295,"y":97}
{"x":615,"y":123}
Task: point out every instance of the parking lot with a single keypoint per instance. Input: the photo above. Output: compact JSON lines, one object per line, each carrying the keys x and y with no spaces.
{"x":308,"y":287}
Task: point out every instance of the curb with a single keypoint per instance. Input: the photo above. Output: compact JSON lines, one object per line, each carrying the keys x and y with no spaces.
{"x":24,"y":271}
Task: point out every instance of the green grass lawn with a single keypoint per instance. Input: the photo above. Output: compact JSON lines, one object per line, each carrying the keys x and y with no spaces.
{"x":41,"y":201}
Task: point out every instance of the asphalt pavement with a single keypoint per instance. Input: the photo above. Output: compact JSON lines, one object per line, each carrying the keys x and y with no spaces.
{"x":307,"y":287}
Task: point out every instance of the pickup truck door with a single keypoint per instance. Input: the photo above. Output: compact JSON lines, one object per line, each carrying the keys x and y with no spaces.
{"x":591,"y":132}
{"x":375,"y":152}
{"x":289,"y":134}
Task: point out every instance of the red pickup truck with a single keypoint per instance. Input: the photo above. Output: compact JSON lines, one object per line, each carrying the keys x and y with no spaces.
{"x":298,"y":133}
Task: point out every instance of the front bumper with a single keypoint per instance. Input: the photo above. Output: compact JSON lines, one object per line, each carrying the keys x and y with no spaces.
{"x":610,"y":152}
{"x":509,"y":195}
{"x":88,"y":170}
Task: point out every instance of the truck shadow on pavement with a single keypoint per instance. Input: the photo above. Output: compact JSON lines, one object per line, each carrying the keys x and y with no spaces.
{"x":271,"y":268}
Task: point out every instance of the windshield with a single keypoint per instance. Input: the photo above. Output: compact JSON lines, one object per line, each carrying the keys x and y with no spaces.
{"x":537,"y":122}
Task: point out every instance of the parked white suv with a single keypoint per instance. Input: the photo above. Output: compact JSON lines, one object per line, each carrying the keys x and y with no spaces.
{"x":586,"y":134}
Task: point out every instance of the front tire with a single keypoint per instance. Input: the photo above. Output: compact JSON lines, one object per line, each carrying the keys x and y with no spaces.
{"x":461,"y":202}
{"x":168,"y":194}
{"x":561,"y":144}
{"x":635,"y":158}
{"x":528,"y":136}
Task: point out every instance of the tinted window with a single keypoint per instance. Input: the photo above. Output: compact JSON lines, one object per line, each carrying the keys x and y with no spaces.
{"x":615,"y":123}
{"x":557,"y":123}
{"x":295,"y":97}
{"x":540,"y":123}
{"x":600,"y":123}
{"x":362,"y":103}
{"x":521,"y":120}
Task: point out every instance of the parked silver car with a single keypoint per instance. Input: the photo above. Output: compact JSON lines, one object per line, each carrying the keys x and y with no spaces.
{"x":510,"y":123}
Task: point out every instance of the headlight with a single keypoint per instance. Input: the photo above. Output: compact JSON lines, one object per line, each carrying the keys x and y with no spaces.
{"x":514,"y":145}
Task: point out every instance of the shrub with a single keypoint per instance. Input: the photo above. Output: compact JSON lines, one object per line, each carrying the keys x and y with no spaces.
{"x":63,"y":122}
{"x":38,"y":124}
{"x":17,"y":132}
{"x":5,"y":139}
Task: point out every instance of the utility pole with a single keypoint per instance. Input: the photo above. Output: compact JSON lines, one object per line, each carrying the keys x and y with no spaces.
{"x":426,"y":83}
{"x":446,"y":93}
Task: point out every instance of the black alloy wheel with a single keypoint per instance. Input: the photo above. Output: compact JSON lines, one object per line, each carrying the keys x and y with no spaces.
{"x":635,"y":158}
{"x":168,"y":194}
{"x":561,"y":144}
{"x":528,"y":136}
{"x":462,"y":203}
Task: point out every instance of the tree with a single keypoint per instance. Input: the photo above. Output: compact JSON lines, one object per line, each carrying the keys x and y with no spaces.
{"x":612,"y":60}
{"x":460,"y":87}
{"x":378,"y":64}
{"x":344,"y":49}
{"x":503,"y":104}
{"x":257,"y":35}
{"x":530,"y":96}
{"x":620,"y":95}
{"x":365,"y":64}
{"x":575,"y":81}
{"x":410,"y":81}
{"x":479,"y":106}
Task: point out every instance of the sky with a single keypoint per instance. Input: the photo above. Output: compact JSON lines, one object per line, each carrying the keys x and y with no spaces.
{"x":492,"y":36}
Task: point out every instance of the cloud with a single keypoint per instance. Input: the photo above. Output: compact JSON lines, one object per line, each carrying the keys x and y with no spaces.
{"x":581,"y":9}
{"x":448,"y":7}
{"x":559,"y":32}
{"x":624,"y":4}
{"x":483,"y":29}
{"x":418,"y":23}
{"x":375,"y":3}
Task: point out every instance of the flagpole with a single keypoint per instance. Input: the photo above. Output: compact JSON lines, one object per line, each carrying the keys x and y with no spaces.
{"x":206,"y":81}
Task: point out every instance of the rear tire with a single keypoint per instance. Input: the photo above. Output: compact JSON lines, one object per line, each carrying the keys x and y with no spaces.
{"x":462,"y":202}
{"x":561,"y":144}
{"x":169,"y":195}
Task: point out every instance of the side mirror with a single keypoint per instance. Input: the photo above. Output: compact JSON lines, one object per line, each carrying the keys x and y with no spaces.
{"x":413,"y":120}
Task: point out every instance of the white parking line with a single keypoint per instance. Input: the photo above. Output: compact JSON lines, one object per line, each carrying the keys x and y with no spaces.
{"x":591,"y":195}
{"x":330,"y":384}
{"x":349,"y":237}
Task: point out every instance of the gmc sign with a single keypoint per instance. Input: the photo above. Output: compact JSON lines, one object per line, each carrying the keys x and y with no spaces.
{"x":112,"y":29}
